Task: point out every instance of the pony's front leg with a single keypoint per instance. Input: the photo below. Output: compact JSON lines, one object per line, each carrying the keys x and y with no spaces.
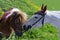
{"x":0,"y":36}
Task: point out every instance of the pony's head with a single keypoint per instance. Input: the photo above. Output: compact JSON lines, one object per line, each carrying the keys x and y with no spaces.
{"x":15,"y":19}
{"x":38,"y":16}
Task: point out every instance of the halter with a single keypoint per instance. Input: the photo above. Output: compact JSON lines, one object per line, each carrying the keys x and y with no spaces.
{"x":41,"y":13}
{"x":43,"y":20}
{"x":43,"y":17}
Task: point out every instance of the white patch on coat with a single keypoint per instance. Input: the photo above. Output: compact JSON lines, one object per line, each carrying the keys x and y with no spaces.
{"x":11,"y":12}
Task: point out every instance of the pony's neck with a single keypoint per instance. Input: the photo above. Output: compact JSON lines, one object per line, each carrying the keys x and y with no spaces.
{"x":53,"y":17}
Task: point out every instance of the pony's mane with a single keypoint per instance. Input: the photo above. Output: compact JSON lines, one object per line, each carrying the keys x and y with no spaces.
{"x":21,"y":13}
{"x":7,"y":24}
{"x":11,"y":11}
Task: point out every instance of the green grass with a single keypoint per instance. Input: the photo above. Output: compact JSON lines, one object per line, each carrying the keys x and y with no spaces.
{"x":51,"y":4}
{"x":48,"y":32}
{"x":1,"y":12}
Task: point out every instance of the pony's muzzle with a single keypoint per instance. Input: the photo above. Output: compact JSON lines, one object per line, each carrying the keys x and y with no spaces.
{"x":27,"y":27}
{"x":19,"y":33}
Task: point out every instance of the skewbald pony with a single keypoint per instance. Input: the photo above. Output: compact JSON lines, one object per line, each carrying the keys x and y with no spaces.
{"x":12,"y":20}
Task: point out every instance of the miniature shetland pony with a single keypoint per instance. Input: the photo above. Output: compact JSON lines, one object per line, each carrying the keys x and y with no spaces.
{"x":12,"y":20}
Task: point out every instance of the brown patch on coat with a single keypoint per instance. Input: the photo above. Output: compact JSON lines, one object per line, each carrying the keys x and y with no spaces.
{"x":5,"y":26}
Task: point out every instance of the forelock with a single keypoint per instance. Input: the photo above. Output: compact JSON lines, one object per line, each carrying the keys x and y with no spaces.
{"x":12,"y":11}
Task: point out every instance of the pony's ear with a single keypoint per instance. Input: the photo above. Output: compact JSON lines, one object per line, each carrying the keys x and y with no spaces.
{"x":43,"y":8}
{"x":10,"y":9}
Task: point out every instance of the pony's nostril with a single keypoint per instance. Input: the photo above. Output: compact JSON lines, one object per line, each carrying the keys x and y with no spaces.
{"x":27,"y":27}
{"x":24,"y":27}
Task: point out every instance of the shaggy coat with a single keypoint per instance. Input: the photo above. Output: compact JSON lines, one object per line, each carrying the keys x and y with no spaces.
{"x":6,"y":26}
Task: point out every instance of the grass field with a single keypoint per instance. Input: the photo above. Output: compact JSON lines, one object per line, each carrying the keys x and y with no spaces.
{"x":48,"y":32}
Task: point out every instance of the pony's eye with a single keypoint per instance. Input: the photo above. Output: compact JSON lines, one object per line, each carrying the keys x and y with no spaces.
{"x":36,"y":17}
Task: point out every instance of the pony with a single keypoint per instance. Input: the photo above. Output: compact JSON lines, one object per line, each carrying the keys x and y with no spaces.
{"x":36,"y":18}
{"x":43,"y":16}
{"x":12,"y":20}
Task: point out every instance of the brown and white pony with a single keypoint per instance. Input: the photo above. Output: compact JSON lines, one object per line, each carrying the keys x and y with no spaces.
{"x":12,"y":20}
